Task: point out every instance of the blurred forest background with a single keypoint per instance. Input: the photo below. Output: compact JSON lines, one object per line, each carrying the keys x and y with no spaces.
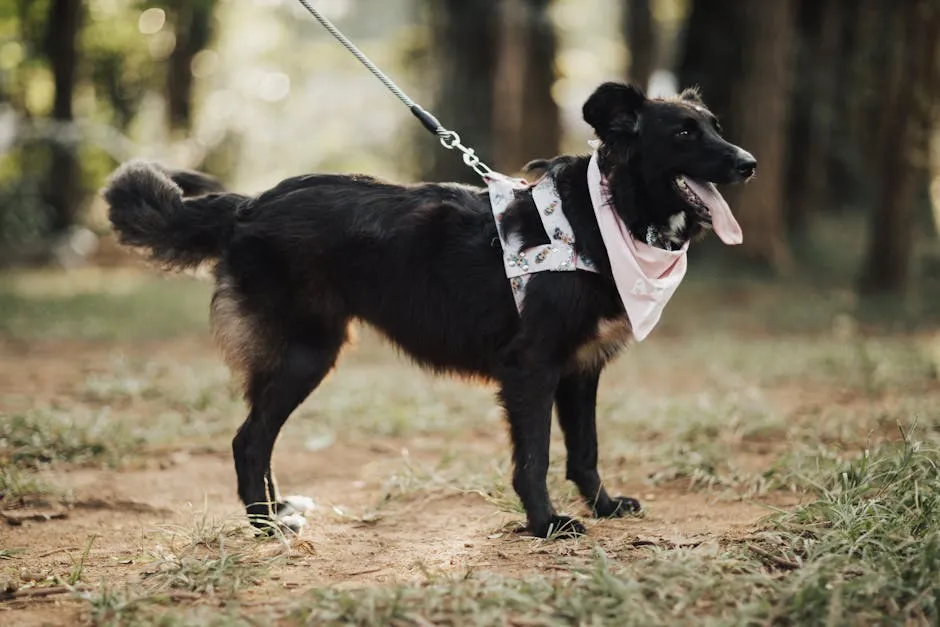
{"x":836,"y":98}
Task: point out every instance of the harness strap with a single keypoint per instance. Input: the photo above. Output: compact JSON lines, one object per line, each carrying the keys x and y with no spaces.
{"x":557,"y":256}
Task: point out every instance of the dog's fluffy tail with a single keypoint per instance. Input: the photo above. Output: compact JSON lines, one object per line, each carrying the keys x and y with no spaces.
{"x":182,"y":218}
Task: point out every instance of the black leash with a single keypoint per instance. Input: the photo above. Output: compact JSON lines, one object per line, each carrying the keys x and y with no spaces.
{"x":449,"y":139}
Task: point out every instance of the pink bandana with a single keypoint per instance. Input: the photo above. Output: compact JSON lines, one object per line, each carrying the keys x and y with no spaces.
{"x":647,"y":276}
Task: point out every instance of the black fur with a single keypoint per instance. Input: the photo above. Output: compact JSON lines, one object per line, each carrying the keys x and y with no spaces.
{"x":422,"y":263}
{"x":148,"y":210}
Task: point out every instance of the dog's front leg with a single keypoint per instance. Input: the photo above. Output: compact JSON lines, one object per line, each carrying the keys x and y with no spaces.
{"x":527,"y":397}
{"x":576,"y":399}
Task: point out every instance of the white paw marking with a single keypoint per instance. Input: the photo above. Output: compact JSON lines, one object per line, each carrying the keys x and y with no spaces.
{"x":298,"y":504}
{"x":294,"y":522}
{"x":292,"y":512}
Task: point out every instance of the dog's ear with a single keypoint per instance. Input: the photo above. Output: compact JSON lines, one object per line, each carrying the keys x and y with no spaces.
{"x":614,"y":108}
{"x":692,"y":95}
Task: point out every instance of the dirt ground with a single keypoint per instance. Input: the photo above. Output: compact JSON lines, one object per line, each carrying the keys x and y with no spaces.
{"x":442,"y":532}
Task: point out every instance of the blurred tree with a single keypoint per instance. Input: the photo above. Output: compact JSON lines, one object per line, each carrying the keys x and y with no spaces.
{"x":760,"y":109}
{"x":54,"y":50}
{"x":639,"y":31}
{"x":818,"y":79}
{"x":24,"y":214}
{"x":857,"y":107}
{"x":911,"y":86}
{"x":117,"y":63}
{"x":464,"y":48}
{"x":192,"y":28}
{"x":712,"y":55}
{"x":63,"y":193}
{"x":525,"y":115}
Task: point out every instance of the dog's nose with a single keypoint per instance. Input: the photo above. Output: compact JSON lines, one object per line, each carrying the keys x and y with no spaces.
{"x":746,"y":164}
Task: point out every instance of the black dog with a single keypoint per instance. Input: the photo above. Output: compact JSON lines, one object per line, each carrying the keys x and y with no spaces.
{"x":423,"y":264}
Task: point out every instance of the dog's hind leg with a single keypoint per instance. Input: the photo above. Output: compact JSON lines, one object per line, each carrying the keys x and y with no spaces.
{"x":576,"y":401}
{"x":274,"y":393}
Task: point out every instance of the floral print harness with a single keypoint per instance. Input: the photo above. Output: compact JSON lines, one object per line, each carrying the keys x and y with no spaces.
{"x":557,"y":256}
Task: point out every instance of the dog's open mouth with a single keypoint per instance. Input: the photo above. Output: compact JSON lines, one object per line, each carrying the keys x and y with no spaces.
{"x":711,"y":207}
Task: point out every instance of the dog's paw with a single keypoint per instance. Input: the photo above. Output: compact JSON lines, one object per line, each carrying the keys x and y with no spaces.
{"x":288,"y":518}
{"x":559,"y":527}
{"x":296,"y":504}
{"x":293,"y":523}
{"x":617,"y":507}
{"x":291,"y":511}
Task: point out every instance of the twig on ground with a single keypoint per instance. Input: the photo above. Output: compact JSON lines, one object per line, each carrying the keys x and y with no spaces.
{"x":362,"y":572}
{"x":64,"y":549}
{"x":779,"y":561}
{"x":38,"y":593}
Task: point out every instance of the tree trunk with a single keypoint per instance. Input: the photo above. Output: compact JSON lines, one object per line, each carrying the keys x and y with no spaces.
{"x":812,"y":116}
{"x":761,"y":110}
{"x":525,"y":116}
{"x":64,"y":188}
{"x":911,"y":86}
{"x":712,"y":55}
{"x":464,"y":47}
{"x":639,"y":30}
{"x":192,"y":28}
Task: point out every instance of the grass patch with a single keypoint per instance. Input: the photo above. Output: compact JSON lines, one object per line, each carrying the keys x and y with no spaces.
{"x":666,"y":591}
{"x":867,"y":551}
{"x":40,"y":438}
{"x":111,"y":607}
{"x":209,"y":559}
{"x":78,"y":568}
{"x":166,"y":402}
{"x":20,"y":487}
{"x":195,"y":385}
{"x":219,"y":573}
{"x":869,"y":548}
{"x":211,"y":556}
{"x":700,"y":473}
{"x":363,"y":398}
{"x":99,"y":305}
{"x":739,"y":364}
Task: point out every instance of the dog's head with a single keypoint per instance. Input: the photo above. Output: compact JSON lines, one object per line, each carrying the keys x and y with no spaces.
{"x":662,"y":158}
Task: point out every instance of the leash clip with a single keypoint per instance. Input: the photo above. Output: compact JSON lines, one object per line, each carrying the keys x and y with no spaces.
{"x":451,"y":140}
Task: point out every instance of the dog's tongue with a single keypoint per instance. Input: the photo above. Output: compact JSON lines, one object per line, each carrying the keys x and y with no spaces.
{"x":723,"y":222}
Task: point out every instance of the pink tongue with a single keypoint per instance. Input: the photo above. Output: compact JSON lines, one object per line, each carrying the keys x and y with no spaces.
{"x":723,"y":222}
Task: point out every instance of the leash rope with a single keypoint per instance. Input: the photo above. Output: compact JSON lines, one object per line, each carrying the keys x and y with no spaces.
{"x":449,"y":139}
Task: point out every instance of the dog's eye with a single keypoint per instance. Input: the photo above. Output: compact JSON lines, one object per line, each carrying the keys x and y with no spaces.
{"x":684,"y":134}
{"x":718,"y":128}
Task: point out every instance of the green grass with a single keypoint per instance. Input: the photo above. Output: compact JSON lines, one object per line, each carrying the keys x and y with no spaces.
{"x":867,"y":551}
{"x":168,"y":403}
{"x":117,"y":607}
{"x":38,"y":438}
{"x":89,"y":305}
{"x":223,"y":573}
{"x":19,"y":487}
{"x":78,"y":567}
{"x":211,"y":559}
